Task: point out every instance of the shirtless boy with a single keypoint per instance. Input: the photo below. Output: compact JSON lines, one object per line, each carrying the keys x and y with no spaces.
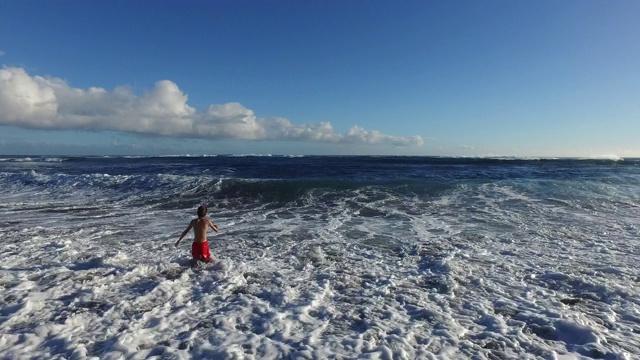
{"x":200,"y":246}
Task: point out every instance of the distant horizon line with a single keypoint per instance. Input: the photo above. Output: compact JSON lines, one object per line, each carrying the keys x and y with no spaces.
{"x":496,"y":157}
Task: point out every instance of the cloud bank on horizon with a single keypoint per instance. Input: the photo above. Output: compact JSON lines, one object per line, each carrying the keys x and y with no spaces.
{"x":37,"y":102}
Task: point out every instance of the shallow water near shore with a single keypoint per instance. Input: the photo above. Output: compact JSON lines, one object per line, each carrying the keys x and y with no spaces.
{"x":320,"y":257}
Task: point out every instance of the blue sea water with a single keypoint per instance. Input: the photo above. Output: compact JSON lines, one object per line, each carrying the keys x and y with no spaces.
{"x":321,"y":257}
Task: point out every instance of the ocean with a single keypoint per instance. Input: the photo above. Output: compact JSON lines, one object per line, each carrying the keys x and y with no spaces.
{"x":323,"y":257}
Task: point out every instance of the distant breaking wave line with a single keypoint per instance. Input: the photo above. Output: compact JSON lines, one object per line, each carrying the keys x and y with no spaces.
{"x":50,"y":103}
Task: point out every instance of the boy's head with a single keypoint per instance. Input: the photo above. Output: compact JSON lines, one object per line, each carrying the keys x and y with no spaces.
{"x":202,"y":211}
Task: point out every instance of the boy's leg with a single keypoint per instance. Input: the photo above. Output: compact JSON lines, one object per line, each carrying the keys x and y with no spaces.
{"x":206,"y":253}
{"x":196,"y":251}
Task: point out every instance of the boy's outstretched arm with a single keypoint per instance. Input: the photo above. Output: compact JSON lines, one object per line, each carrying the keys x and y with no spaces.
{"x":213,"y":226}
{"x":185,"y":232}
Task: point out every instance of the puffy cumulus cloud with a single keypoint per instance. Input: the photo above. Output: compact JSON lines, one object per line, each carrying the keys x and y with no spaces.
{"x":26,"y":101}
{"x":50,"y":103}
{"x":228,"y":121}
{"x":360,"y":135}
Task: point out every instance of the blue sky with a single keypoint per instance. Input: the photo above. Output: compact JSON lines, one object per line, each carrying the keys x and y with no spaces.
{"x":470,"y":78}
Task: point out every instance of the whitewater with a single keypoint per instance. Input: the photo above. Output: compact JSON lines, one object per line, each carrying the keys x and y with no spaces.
{"x":320,"y":258}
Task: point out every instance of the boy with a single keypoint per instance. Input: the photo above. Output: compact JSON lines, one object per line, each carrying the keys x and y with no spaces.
{"x":200,"y":246}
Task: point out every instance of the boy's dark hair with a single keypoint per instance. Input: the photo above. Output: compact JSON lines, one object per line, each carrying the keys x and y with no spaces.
{"x":202,"y":211}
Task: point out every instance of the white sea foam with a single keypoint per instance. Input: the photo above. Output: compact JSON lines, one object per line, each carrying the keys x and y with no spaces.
{"x":613,"y":157}
{"x":250,"y":155}
{"x":481,"y":271}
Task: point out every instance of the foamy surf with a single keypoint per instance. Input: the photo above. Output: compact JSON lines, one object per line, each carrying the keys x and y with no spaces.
{"x":346,"y":258}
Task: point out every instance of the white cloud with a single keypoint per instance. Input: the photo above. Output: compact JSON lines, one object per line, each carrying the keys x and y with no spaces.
{"x":49,"y":103}
{"x":361,"y":136}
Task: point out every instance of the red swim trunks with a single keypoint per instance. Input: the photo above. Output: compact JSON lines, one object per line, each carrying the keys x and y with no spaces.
{"x":200,"y":251}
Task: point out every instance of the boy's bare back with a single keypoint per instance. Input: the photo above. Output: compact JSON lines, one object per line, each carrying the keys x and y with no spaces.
{"x":200,"y":226}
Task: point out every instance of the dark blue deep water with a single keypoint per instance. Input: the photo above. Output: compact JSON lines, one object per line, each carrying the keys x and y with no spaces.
{"x":273,"y":178}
